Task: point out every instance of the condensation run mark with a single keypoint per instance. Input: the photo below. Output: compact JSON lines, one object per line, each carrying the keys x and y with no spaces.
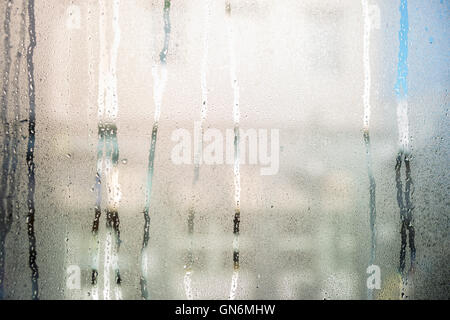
{"x":107,"y":157}
{"x":198,"y":153}
{"x":190,"y":257}
{"x":237,"y":178}
{"x":406,"y":207}
{"x":366,"y":125}
{"x":10,"y":182}
{"x":5,"y":214}
{"x":159,"y":83}
{"x":30,"y":153}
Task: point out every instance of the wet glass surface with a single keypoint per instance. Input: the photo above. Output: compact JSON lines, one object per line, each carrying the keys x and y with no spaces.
{"x":203,"y":149}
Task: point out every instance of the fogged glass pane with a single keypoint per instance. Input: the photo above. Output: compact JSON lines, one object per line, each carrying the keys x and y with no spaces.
{"x":204,"y":149}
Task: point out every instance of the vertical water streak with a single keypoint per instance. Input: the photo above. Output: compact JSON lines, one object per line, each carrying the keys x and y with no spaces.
{"x":113,"y":221}
{"x":366,"y":61}
{"x":401,"y":85}
{"x":107,"y":156}
{"x":114,"y":194}
{"x":159,"y":83}
{"x":114,"y":105}
{"x":30,"y":152}
{"x":399,"y":187}
{"x":236,"y":168}
{"x":5,"y":218}
{"x":107,"y":254}
{"x":366,"y":134}
{"x":12,"y":184}
{"x":16,"y":95}
{"x":407,"y":231}
{"x":112,"y":215}
{"x":190,"y":257}
{"x":98,"y":212}
{"x":404,"y":154}
{"x":198,"y":152}
{"x":100,"y":146}
{"x":204,"y":89}
{"x":409,"y":191}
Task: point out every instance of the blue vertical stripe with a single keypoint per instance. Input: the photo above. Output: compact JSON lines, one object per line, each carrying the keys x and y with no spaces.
{"x":401,"y":86}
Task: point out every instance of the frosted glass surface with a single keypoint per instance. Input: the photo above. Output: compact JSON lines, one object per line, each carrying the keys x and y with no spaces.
{"x":211,"y":149}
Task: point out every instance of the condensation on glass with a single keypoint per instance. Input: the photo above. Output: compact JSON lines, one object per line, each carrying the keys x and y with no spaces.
{"x":203,"y":149}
